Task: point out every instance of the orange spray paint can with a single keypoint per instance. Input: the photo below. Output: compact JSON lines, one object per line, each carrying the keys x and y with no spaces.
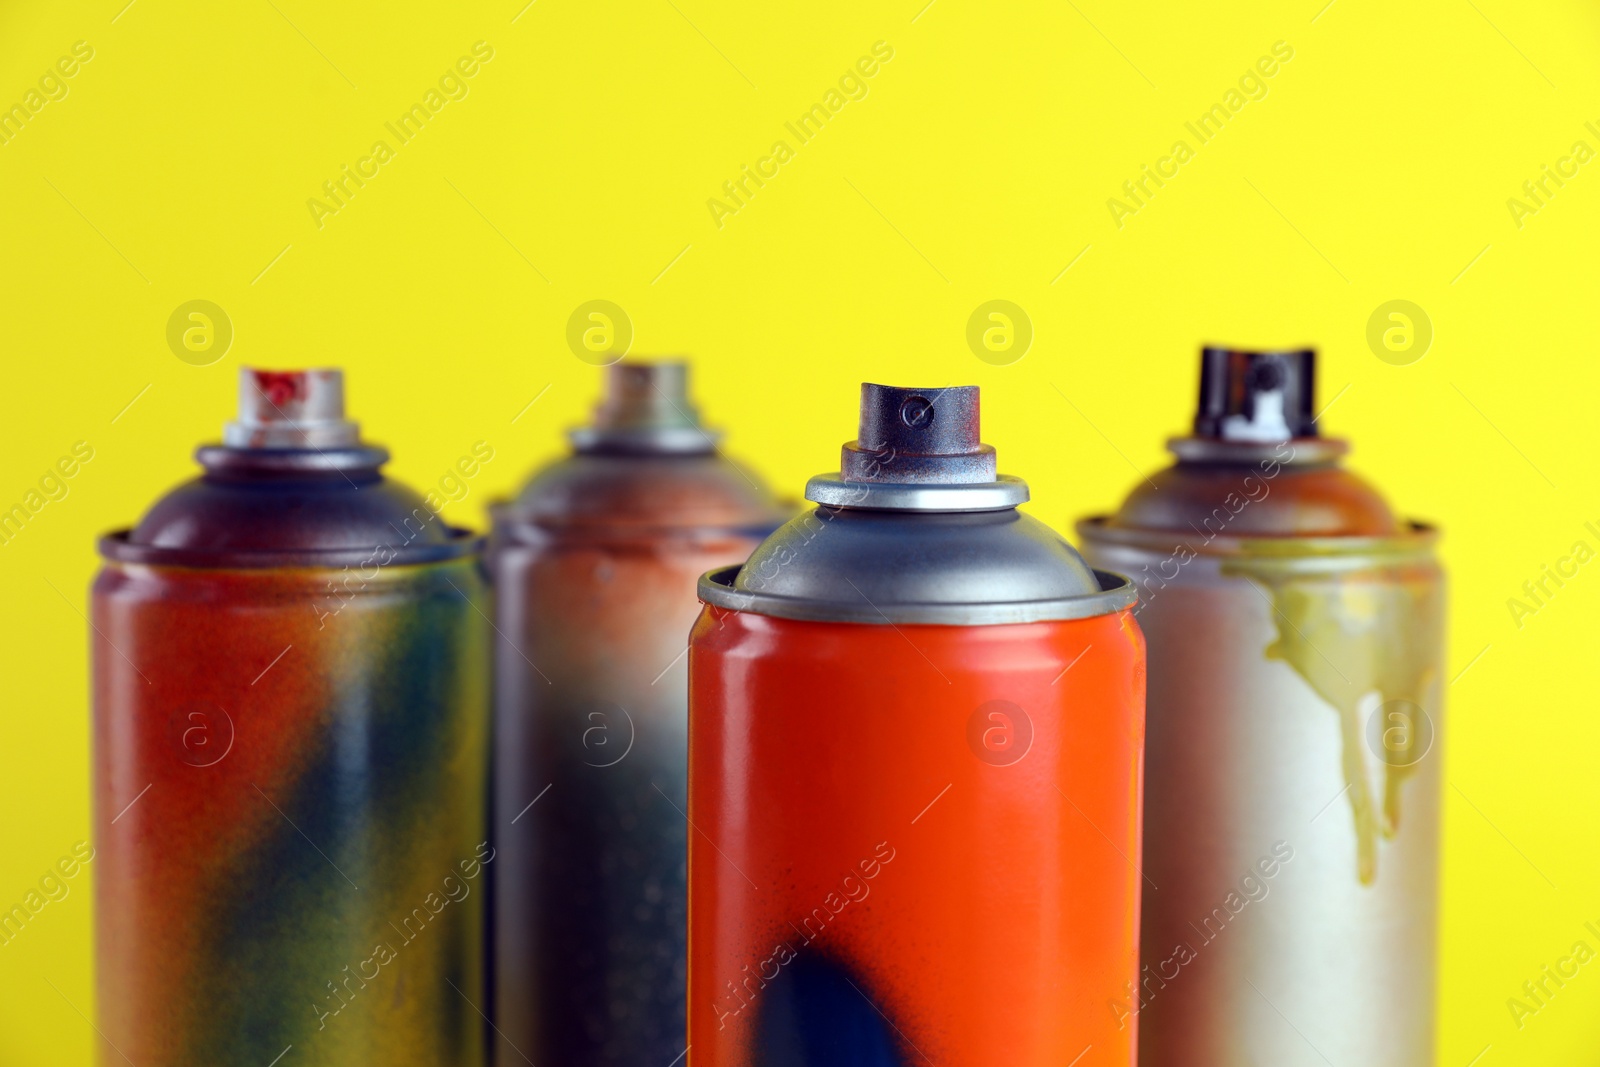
{"x":916,"y":744}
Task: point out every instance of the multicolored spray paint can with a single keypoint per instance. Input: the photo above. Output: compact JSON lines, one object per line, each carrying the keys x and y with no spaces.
{"x":916,"y":737}
{"x":291,"y":717}
{"x":595,"y":566}
{"x":1292,"y":806}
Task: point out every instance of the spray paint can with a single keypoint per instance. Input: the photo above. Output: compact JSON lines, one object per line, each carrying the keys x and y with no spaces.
{"x":916,"y":736}
{"x":291,"y":736}
{"x":595,"y":566}
{"x":1292,"y":799}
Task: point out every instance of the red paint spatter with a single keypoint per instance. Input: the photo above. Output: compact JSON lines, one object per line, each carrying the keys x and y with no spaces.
{"x":281,"y":387}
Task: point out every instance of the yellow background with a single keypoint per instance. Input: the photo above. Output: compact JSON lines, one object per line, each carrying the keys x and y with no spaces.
{"x":977,"y":167}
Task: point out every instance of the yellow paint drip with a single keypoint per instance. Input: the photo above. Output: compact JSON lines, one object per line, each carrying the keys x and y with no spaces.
{"x":1350,"y":635}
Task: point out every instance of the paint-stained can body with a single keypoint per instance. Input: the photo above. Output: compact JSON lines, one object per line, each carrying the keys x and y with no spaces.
{"x":595,"y":567}
{"x":1294,"y":751}
{"x":291,"y":738}
{"x":915,"y":768}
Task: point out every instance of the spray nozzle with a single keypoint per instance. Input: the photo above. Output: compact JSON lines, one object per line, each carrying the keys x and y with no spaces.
{"x":290,"y":409}
{"x":1256,"y":396}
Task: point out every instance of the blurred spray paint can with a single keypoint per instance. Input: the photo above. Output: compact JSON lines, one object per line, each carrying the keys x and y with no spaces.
{"x":291,"y":718}
{"x":595,"y":566}
{"x":916,"y":731}
{"x":1292,"y":799}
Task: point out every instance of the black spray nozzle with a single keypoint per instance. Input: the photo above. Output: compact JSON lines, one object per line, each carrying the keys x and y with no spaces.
{"x":1256,"y":396}
{"x":918,"y":435}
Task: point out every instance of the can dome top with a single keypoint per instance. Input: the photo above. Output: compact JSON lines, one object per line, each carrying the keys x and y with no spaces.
{"x":644,"y":464}
{"x":292,"y":484}
{"x":1256,"y":465}
{"x":916,"y":527}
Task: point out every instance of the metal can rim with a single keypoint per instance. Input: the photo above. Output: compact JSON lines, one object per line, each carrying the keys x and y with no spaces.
{"x":518,"y":527}
{"x":1117,"y":593}
{"x":834,"y":490}
{"x":116,"y":547}
{"x":646,"y":440}
{"x":1416,"y":541}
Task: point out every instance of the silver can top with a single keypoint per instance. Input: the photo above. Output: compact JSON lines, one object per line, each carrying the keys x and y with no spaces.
{"x":917,"y":527}
{"x":299,"y":409}
{"x":646,"y":410}
{"x":918,"y":450}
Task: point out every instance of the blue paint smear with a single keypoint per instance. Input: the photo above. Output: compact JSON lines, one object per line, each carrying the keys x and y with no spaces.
{"x":816,"y":1014}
